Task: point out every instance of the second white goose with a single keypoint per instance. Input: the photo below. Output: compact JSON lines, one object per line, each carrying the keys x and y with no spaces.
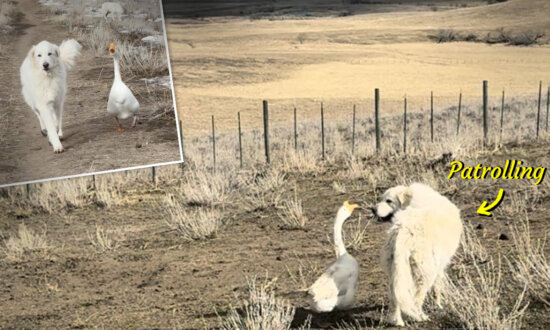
{"x":122,"y":103}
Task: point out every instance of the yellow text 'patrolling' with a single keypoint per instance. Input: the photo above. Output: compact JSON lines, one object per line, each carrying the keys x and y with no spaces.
{"x":512,"y":170}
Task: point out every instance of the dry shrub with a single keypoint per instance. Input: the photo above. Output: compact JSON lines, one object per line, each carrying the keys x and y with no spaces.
{"x":529,"y":262}
{"x":354,"y":234}
{"x":203,"y":188}
{"x":292,"y":214}
{"x":305,"y":274}
{"x":191,"y":224}
{"x":135,"y":58}
{"x":476,"y":299}
{"x":143,"y":61}
{"x":53,"y":196}
{"x":262,"y":310}
{"x":109,"y":190}
{"x":98,"y":39}
{"x":522,"y":38}
{"x":266,"y":189}
{"x":25,"y":241}
{"x":471,"y":251}
{"x":525,"y":38}
{"x":499,"y":36}
{"x":339,"y":187}
{"x":162,"y":105}
{"x":444,"y":35}
{"x":104,"y":240}
{"x":303,"y":162}
{"x":8,"y":13}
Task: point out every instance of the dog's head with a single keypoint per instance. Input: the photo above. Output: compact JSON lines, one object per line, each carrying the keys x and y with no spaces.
{"x":45,"y":56}
{"x":393,"y":200}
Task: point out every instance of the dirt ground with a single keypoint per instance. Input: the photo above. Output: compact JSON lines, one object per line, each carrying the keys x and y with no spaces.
{"x":155,"y":280}
{"x":298,"y":58}
{"x":91,"y":142}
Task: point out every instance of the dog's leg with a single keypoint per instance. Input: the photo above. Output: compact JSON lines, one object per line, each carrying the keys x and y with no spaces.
{"x":428,"y":273}
{"x":439,"y":285}
{"x":47,"y":114}
{"x":60,"y":120}
{"x":395,"y":317}
{"x":42,"y":126}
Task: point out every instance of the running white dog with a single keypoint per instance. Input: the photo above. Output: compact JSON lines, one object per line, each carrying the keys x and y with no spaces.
{"x":424,"y":237}
{"x":44,"y":81}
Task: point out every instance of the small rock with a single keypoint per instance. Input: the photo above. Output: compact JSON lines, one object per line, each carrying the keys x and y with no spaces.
{"x":154,"y":40}
{"x":138,"y":145}
{"x":503,"y":237}
{"x":142,"y":15}
{"x":479,"y":227}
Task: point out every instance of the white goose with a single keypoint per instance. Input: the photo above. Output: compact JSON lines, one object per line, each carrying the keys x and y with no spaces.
{"x":337,"y":286}
{"x":122,"y":103}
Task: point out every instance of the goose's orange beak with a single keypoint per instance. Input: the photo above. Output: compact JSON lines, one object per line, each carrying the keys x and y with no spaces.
{"x":350,"y":207}
{"x":111,"y":48}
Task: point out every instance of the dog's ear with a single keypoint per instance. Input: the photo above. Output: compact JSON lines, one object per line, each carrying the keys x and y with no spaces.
{"x":405,"y":197}
{"x":31,"y":56}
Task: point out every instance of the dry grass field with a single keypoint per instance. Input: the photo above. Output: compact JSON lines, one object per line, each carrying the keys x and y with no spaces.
{"x":223,"y":65}
{"x":236,"y":248}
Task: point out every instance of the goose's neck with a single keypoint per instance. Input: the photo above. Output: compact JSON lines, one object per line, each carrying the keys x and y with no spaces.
{"x":117,"y":68}
{"x":338,"y":241}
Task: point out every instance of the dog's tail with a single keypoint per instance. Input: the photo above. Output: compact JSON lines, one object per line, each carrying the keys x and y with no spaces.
{"x":69,"y":50}
{"x":402,"y":283}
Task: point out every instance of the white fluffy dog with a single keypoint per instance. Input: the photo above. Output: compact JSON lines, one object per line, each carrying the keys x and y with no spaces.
{"x":44,"y":81}
{"x":424,"y":237}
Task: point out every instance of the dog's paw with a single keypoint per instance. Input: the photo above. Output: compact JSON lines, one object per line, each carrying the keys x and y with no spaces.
{"x":58,"y":150}
{"x":60,"y":135}
{"x":396,"y":320}
{"x":424,"y":317}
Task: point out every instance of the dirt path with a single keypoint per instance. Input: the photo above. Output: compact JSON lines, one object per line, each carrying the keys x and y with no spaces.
{"x":91,"y":142}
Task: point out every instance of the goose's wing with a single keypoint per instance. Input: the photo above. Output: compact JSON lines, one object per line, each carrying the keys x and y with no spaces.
{"x":122,"y":97}
{"x":340,"y":277}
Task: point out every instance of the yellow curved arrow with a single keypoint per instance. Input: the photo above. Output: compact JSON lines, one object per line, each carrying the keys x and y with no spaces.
{"x":486,"y":210}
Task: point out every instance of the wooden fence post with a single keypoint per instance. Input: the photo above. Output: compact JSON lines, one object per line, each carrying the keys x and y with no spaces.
{"x":538,"y":108}
{"x":93,"y":182}
{"x":240,"y":140}
{"x":458,"y":115}
{"x":266,"y":131}
{"x":432,"y":116}
{"x":295,"y":131}
{"x":154,"y":175}
{"x":213,"y":146}
{"x":377,"y":117}
{"x":485,"y":114}
{"x":405,"y":125}
{"x":501,"y":117}
{"x":322,"y":131}
{"x":28,"y":190}
{"x":353,"y":132}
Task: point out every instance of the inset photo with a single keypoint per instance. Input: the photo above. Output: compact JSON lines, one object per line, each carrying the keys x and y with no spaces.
{"x":86,"y":88}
